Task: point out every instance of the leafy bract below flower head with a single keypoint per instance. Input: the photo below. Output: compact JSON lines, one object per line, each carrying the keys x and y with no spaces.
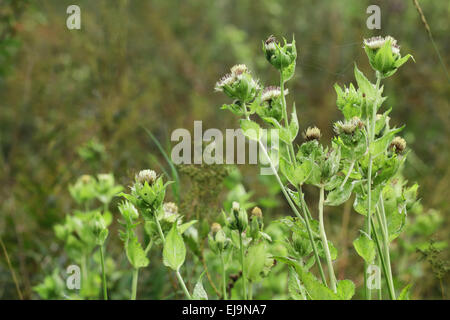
{"x":398,"y":144}
{"x":239,"y":84}
{"x":271,"y":105}
{"x":384,"y":55}
{"x":312,"y":133}
{"x":128,"y":211}
{"x":147,"y":193}
{"x":349,"y":101}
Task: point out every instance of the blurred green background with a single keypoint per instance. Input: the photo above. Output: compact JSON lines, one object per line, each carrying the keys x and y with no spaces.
{"x":154,"y":64}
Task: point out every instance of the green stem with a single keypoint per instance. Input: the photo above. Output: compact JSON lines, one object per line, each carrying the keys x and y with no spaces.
{"x":134,"y":283}
{"x":291,"y":152}
{"x":224,"y":278}
{"x":348,"y":173}
{"x":250,"y":290}
{"x":183,"y":285}
{"x":386,"y":246}
{"x":381,"y":254}
{"x":161,"y":234}
{"x":244,"y":280}
{"x":323,"y":236}
{"x":369,"y":178}
{"x":313,"y":243}
{"x":102,"y":259}
{"x":294,"y":209}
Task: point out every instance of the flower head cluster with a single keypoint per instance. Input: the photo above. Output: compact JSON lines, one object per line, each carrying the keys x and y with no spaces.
{"x":384,"y":55}
{"x":398,"y":145}
{"x":238,"y":84}
{"x":147,"y":193}
{"x":348,"y":127}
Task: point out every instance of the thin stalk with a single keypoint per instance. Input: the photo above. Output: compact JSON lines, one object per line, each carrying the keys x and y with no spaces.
{"x":224,"y":278}
{"x":180,"y":279}
{"x":244,"y":280}
{"x":134,"y":283}
{"x":13,"y":274}
{"x":323,"y":236}
{"x":102,"y":260}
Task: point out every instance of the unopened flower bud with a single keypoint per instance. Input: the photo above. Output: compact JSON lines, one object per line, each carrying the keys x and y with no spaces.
{"x":215,"y":227}
{"x":279,"y":56}
{"x":256,"y":212}
{"x":312,"y":134}
{"x":236,"y":206}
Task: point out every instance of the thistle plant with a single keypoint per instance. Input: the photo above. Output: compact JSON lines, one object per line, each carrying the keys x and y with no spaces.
{"x":84,"y":231}
{"x":162,"y":223}
{"x":362,"y":159}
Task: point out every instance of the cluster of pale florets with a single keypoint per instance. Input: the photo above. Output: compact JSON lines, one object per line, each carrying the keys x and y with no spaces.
{"x":378,"y":42}
{"x":312,"y":133}
{"x":272,"y":92}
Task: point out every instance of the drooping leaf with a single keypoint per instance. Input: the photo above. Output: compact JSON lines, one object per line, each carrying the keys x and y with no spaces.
{"x":135,"y":253}
{"x":174,"y":251}
{"x":250,"y":129}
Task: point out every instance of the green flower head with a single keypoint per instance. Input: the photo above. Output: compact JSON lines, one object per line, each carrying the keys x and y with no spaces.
{"x":384,"y":55}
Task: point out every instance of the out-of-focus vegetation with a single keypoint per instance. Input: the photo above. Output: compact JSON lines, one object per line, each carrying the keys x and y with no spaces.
{"x":75,"y":102}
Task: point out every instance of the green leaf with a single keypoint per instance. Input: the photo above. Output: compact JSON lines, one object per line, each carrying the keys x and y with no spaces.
{"x":174,"y":251}
{"x":405,"y":294}
{"x":345,"y":289}
{"x":364,"y":84}
{"x":365,"y":248}
{"x":296,"y":290}
{"x":315,"y":289}
{"x":339,"y":195}
{"x":250,"y":129}
{"x":380,"y":145}
{"x":135,"y":253}
{"x":182,"y":228}
{"x":199,"y":292}
{"x":255,"y":261}
{"x":402,"y":60}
